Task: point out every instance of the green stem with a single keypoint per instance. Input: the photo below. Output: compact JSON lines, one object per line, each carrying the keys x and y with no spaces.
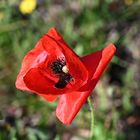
{"x":92,"y":116}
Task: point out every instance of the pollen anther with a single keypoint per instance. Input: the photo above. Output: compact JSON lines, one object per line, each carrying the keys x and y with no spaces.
{"x":65,"y":69}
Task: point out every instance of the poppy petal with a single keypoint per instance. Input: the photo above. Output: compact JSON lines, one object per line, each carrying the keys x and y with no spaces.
{"x":69,"y":104}
{"x":32,"y":59}
{"x":105,"y":57}
{"x":97,"y":62}
{"x":39,"y":84}
{"x":35,"y":81}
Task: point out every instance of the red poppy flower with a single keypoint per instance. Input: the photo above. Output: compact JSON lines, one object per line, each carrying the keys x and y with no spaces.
{"x":52,"y":69}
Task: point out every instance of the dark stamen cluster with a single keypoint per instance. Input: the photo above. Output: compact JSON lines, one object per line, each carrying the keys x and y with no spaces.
{"x":57,"y":66}
{"x":64,"y":78}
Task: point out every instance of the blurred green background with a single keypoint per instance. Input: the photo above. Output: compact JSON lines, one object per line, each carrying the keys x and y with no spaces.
{"x":87,"y":26}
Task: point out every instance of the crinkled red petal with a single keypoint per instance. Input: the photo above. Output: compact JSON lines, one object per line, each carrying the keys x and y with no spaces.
{"x":70,"y":103}
{"x":32,"y":59}
{"x":35,"y":81}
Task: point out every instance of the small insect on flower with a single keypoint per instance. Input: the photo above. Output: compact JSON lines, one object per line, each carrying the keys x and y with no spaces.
{"x":52,"y":69}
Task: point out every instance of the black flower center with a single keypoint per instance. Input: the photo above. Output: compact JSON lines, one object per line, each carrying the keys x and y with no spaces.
{"x":64,"y":78}
{"x":57,"y":66}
